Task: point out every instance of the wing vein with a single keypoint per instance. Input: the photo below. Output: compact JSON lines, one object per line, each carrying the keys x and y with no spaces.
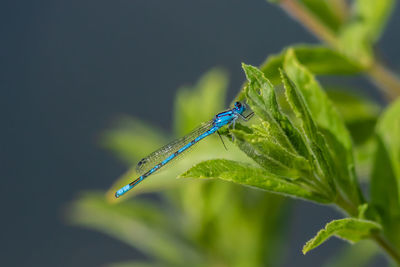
{"x":164,"y":152}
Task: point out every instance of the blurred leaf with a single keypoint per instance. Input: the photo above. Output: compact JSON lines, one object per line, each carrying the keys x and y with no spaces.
{"x":364,"y":156}
{"x":360,"y":116}
{"x":195,"y":214}
{"x":385,"y":181}
{"x":274,"y":1}
{"x":158,"y":181}
{"x":200,"y":103}
{"x":364,"y":29}
{"x":320,"y":60}
{"x":328,"y":12}
{"x":350,"y":229}
{"x":249,"y":175}
{"x":373,"y":15}
{"x":130,"y":137}
{"x":138,"y":224}
{"x":131,"y":140}
{"x":388,"y":130}
{"x":355,"y":44}
{"x":357,"y":255}
{"x":214,"y":220}
{"x":359,"y":113}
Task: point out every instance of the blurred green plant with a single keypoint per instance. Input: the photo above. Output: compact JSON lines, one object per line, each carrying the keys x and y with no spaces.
{"x":193,"y":223}
{"x":303,"y":143}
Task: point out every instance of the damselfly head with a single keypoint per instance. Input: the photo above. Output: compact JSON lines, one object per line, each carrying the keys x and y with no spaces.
{"x":239,"y":107}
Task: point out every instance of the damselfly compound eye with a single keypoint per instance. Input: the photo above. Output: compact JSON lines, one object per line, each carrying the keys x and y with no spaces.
{"x":238,"y":105}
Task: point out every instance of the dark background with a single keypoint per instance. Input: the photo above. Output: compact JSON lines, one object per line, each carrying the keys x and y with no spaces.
{"x":69,"y":67}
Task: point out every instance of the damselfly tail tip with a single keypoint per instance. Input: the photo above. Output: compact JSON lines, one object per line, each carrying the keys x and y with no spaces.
{"x":119,"y":193}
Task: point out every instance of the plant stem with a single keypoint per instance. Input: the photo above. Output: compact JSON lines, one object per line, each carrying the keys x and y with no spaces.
{"x":387,"y":247}
{"x":348,"y":207}
{"x":378,"y":74}
{"x":385,"y":80}
{"x":309,"y":21}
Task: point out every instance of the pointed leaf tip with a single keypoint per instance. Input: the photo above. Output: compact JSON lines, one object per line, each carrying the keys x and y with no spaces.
{"x":350,"y":229}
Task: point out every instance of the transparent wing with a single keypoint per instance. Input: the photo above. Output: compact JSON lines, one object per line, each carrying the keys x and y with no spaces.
{"x":164,"y":152}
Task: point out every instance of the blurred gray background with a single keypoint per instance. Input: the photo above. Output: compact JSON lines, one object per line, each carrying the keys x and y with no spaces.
{"x":69,"y":67}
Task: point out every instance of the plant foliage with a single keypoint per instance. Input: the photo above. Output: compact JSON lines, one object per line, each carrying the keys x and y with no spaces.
{"x":197,"y":224}
{"x":303,"y":142}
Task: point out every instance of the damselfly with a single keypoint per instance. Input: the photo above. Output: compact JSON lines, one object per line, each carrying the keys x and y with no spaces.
{"x":167,"y":153}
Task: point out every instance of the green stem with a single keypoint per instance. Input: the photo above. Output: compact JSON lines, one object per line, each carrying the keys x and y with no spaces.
{"x":378,"y":74}
{"x":381,"y":241}
{"x":388,"y":248}
{"x":348,"y":207}
{"x":385,"y":80}
{"x":309,"y":21}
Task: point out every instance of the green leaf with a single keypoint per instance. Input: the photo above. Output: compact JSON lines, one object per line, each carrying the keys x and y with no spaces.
{"x":131,"y":140}
{"x":315,"y":141}
{"x":360,"y":115}
{"x":307,"y":142}
{"x":385,"y":181}
{"x":320,"y":60}
{"x":373,"y":15}
{"x":195,"y":214}
{"x":358,"y":112}
{"x":221,"y":229}
{"x":327,"y":134}
{"x":350,"y":229}
{"x":299,"y":107}
{"x":261,"y":96}
{"x":320,"y":107}
{"x":275,"y":143}
{"x":246,"y":174}
{"x":364,"y":28}
{"x":354,"y":43}
{"x":271,"y":155}
{"x":388,"y":130}
{"x":329,"y":12}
